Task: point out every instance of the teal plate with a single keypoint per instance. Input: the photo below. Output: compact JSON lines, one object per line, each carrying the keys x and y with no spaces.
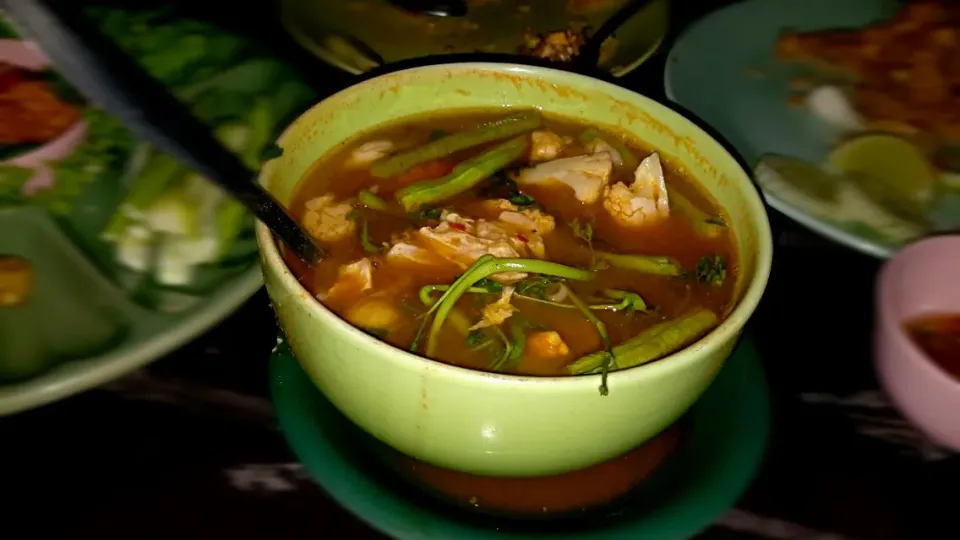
{"x":720,"y":455}
{"x":723,"y":69}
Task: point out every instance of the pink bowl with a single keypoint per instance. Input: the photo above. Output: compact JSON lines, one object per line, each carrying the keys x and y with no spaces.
{"x":920,"y":280}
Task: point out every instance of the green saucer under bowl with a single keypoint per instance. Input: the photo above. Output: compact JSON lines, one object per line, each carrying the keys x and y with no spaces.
{"x":721,"y":453}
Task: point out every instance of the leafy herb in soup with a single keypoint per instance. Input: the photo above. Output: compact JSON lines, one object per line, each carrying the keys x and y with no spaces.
{"x":516,"y":243}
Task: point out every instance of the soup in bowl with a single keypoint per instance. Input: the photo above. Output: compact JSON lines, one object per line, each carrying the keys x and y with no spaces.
{"x":528,"y":271}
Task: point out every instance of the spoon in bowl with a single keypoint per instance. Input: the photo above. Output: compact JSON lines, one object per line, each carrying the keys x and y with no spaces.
{"x":105,"y":74}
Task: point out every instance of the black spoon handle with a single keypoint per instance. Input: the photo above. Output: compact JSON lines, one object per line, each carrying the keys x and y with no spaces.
{"x":105,"y":74}
{"x":589,"y":55}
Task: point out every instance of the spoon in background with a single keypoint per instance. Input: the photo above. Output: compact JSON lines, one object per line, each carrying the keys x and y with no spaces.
{"x":589,"y":55}
{"x":437,"y":8}
{"x":105,"y":74}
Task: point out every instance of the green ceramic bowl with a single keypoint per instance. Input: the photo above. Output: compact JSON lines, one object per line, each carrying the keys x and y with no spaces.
{"x":487,"y":423}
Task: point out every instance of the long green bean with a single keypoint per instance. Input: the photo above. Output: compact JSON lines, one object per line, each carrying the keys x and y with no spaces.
{"x":444,"y":146}
{"x":464,"y":176}
{"x":703,"y":225}
{"x":647,"y":264}
{"x":654,"y":342}
{"x":371,"y":201}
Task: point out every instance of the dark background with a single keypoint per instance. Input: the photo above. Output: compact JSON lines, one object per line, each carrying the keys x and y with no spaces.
{"x":175,"y":449}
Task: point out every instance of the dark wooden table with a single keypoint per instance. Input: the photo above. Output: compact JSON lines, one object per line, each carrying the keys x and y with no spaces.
{"x":188,"y":447}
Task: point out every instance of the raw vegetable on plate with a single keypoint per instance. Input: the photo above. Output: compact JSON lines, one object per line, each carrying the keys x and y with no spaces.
{"x":164,"y":222}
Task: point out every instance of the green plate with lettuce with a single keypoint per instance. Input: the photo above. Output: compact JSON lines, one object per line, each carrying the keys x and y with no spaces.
{"x":127,"y":254}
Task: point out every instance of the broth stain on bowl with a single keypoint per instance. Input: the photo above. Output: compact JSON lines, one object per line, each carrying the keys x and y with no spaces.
{"x":575,"y":491}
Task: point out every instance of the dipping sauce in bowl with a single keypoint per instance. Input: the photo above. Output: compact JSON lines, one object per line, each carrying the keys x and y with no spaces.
{"x":938,"y":336}
{"x":917,"y":336}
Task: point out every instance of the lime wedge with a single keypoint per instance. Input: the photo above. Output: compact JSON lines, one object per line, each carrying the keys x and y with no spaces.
{"x":889,"y":170}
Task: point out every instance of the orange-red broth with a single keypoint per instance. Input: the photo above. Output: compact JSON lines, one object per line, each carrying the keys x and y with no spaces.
{"x":675,"y":238}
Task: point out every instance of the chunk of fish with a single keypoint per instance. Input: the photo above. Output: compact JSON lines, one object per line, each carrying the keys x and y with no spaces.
{"x":463,"y":240}
{"x":328,"y":221}
{"x":353,"y":280}
{"x":599,"y":146}
{"x":546,"y":145}
{"x":368,"y":152}
{"x":530,"y":220}
{"x":404,"y":252}
{"x":494,"y":314}
{"x":645,"y":201}
{"x":587,"y":175}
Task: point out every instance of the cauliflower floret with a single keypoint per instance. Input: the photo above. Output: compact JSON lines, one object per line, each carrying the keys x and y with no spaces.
{"x":599,"y":146}
{"x":546,"y":145}
{"x":547,"y":344}
{"x":645,"y":202}
{"x":494,"y":314}
{"x":586,"y":175}
{"x":326,"y":221}
{"x":369,"y":152}
{"x":353,"y":279}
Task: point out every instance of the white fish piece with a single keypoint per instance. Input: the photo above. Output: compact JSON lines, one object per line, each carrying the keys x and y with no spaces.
{"x":587,"y":175}
{"x":353,"y":279}
{"x":546,"y":145}
{"x":496,"y":313}
{"x":368,"y":152}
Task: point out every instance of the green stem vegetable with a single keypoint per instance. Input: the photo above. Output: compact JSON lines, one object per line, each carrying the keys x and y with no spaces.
{"x":161,"y":172}
{"x":703,"y":224}
{"x":248,"y":142}
{"x":445,"y":146}
{"x":507,"y":348}
{"x":464,"y":177}
{"x":516,"y":343}
{"x":629,"y":301}
{"x":427,"y":290}
{"x":368,"y":245}
{"x":371,"y":201}
{"x":654,"y":342}
{"x":487,"y":266}
{"x":647,"y":264}
{"x":608,"y":351}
